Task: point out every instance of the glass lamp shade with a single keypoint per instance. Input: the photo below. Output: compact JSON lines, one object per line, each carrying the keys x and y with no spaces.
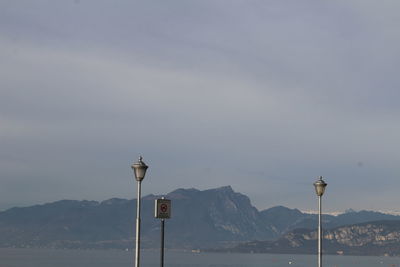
{"x":139,"y":168}
{"x":320,"y":187}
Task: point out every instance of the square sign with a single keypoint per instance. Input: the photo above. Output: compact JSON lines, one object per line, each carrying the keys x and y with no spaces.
{"x":163,"y":208}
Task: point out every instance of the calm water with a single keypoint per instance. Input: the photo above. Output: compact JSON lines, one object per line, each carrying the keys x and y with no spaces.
{"x":96,"y":258}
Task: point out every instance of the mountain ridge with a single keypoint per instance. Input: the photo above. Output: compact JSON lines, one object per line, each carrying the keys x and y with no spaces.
{"x":217,"y":217}
{"x":377,"y":238}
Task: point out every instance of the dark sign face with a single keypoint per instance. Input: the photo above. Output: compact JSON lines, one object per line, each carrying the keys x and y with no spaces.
{"x":163,"y":208}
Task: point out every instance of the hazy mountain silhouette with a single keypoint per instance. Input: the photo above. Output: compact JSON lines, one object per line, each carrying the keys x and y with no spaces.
{"x":371,"y":238}
{"x":200,"y":219}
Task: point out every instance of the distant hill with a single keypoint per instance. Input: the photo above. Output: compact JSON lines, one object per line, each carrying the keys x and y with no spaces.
{"x":208,"y":218}
{"x":200,"y":219}
{"x":283,"y":219}
{"x":371,"y":238}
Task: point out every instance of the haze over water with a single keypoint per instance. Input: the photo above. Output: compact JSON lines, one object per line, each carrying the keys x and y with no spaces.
{"x":113,"y":258}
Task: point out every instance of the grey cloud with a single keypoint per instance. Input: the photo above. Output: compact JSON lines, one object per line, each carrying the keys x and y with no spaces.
{"x":289,"y":90}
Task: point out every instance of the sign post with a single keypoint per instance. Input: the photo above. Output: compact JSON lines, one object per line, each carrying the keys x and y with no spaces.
{"x":162,"y":211}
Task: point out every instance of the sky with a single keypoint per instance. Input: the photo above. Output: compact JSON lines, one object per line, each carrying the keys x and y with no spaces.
{"x":262,"y":95}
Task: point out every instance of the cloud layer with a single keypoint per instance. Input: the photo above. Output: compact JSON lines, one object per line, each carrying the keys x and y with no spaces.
{"x":262,"y":95}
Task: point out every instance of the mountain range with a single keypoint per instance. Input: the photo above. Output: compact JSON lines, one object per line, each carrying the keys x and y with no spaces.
{"x":214,"y":218}
{"x":370,"y":238}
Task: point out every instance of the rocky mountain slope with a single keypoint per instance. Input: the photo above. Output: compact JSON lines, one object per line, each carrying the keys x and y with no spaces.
{"x":372,"y":238}
{"x":283,"y":219}
{"x":200,"y":219}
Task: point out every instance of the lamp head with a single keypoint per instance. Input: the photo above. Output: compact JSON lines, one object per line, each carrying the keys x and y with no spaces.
{"x":139,"y":168}
{"x":320,"y":186}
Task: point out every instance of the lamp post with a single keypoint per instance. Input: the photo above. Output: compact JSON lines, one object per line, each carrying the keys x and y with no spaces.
{"x":139,"y":169}
{"x":319,"y":189}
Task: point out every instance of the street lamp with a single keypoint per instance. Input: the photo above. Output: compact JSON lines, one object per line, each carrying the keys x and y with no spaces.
{"x":139,"y":168}
{"x":319,"y":189}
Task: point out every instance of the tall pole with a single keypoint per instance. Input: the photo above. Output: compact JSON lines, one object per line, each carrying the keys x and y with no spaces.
{"x":162,"y":243}
{"x":319,"y":189}
{"x":137,"y":255}
{"x":319,"y":233}
{"x":139,"y":168}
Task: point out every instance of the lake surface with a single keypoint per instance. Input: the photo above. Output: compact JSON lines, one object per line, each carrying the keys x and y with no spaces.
{"x":113,"y":258}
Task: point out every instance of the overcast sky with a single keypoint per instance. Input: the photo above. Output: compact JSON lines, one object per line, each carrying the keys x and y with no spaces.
{"x":264,"y":96}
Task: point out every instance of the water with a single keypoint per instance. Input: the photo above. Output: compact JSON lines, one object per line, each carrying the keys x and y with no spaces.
{"x":113,"y":258}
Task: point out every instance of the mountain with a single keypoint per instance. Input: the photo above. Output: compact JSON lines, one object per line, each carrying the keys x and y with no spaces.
{"x":67,"y":223}
{"x":208,"y":218}
{"x":214,"y":217}
{"x":283,"y":219}
{"x":200,"y":219}
{"x":372,"y":238}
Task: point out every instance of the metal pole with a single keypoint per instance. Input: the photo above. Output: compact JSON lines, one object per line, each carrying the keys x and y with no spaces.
{"x":319,"y":233}
{"x":137,"y":255}
{"x":162,"y":243}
